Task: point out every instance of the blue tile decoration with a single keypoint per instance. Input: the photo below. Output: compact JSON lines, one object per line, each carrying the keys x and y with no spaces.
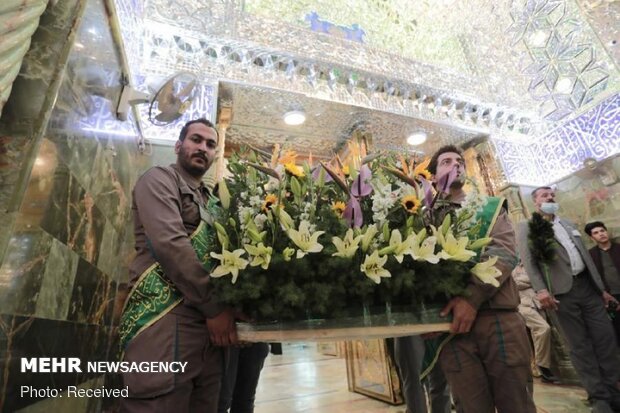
{"x":354,"y":33}
{"x":594,"y":134}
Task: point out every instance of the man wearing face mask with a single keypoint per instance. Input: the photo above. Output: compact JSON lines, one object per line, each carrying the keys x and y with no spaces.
{"x":571,"y":286}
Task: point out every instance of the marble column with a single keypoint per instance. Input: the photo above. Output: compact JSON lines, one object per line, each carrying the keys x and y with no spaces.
{"x":25,"y":115}
{"x":67,"y":167}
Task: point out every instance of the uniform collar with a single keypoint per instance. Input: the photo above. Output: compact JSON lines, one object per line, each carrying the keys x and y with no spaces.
{"x":193,"y":182}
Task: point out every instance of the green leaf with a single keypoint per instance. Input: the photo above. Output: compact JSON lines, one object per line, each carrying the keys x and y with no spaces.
{"x":224,"y":194}
{"x":479,"y":243}
{"x":386,"y":232}
{"x":445,"y":225}
{"x":221,"y":235}
{"x":296,"y":189}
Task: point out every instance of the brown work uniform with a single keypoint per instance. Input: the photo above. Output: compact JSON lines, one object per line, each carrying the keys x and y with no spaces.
{"x":166,"y":208}
{"x":489,"y":367}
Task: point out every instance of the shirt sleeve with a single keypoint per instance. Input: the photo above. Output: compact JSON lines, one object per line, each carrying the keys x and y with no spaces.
{"x":157,"y":199}
{"x":521,"y":278}
{"x":503,"y":247}
{"x":531,"y":268}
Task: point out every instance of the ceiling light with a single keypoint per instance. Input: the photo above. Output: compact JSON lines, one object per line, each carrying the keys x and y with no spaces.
{"x":564,"y":85}
{"x":294,"y":117}
{"x":416,"y":138}
{"x":538,"y":38}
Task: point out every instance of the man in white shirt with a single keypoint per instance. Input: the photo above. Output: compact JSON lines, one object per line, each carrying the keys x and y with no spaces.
{"x":571,"y":285}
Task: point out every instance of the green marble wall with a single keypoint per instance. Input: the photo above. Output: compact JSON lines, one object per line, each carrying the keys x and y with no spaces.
{"x":67,"y":167}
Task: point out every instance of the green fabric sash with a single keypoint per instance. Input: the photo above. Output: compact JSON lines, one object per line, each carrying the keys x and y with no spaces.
{"x":154,"y":295}
{"x":487,"y":217}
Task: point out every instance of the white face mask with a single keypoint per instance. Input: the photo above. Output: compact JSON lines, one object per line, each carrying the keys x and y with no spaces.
{"x":549,"y":208}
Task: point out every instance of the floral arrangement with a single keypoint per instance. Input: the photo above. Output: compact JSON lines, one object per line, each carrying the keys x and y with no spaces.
{"x":302,"y":240}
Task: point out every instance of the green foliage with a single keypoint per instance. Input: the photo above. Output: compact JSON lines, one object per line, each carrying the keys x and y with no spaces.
{"x":541,"y":239}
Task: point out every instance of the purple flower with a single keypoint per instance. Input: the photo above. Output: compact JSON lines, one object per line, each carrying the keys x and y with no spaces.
{"x":353,"y":213}
{"x":317,"y":171}
{"x":444,"y":182}
{"x":427,"y":187}
{"x":361,"y":185}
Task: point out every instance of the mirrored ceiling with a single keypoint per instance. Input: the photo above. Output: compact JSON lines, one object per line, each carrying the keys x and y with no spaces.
{"x":258,"y":120}
{"x":538,"y":77}
{"x":527,"y":64}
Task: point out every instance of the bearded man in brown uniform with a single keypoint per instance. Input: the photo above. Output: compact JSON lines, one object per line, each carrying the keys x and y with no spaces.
{"x":171,"y":313}
{"x":487,"y":361}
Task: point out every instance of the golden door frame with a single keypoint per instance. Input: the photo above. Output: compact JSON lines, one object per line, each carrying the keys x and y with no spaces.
{"x":371,"y":371}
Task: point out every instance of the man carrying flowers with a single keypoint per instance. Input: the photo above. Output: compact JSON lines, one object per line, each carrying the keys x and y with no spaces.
{"x":171,"y":313}
{"x":486,"y":361}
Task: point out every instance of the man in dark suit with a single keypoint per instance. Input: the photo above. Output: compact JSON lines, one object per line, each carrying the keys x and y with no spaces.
{"x":606,"y":257}
{"x":573,"y":288}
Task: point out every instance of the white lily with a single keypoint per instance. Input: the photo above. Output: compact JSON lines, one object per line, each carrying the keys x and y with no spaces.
{"x":230,"y":263}
{"x":400,"y":248}
{"x":305,"y":241}
{"x":348,"y":246}
{"x":368,"y":236}
{"x":373,"y":267}
{"x":423,"y":248}
{"x":288,"y":253}
{"x":286,"y":222}
{"x":260,"y":255}
{"x":454,"y":249}
{"x":487,"y":272}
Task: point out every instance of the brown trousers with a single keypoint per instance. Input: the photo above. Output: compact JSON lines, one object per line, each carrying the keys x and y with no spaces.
{"x":178,"y":336}
{"x":489,"y":367}
{"x":541,"y":334}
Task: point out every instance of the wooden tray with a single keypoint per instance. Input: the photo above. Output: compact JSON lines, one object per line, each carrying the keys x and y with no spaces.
{"x":350,"y":328}
{"x":247,"y":332}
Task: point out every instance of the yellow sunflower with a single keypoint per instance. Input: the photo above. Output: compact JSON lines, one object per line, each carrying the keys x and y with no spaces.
{"x":411,"y":203}
{"x":422,"y":169}
{"x":338,"y":208}
{"x":269,"y":201}
{"x":293,"y":169}
{"x":425,"y":173}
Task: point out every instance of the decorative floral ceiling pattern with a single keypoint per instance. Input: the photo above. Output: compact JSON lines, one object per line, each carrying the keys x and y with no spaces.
{"x":400,"y":27}
{"x":595,"y":134}
{"x":515,"y":70}
{"x":567,"y":68}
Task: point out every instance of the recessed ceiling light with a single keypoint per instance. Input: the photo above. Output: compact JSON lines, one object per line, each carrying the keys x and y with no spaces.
{"x":564,"y":85}
{"x":294,"y":117}
{"x":538,"y":38}
{"x":416,"y":138}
